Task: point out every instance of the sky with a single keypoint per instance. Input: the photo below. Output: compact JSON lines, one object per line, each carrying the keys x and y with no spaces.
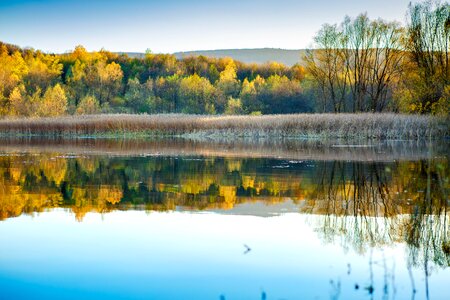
{"x":177,"y":25}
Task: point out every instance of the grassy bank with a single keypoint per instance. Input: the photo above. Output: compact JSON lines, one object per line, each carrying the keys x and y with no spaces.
{"x":322,"y":126}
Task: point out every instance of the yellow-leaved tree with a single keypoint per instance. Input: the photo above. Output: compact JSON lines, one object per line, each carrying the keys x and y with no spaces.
{"x":54,"y":102}
{"x":17,"y":101}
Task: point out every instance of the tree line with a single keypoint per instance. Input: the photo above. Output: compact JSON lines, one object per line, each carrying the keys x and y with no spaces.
{"x":374,"y":65}
{"x":360,"y":65}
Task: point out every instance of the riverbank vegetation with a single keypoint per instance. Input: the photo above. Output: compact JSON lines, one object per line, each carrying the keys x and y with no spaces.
{"x":343,"y":126}
{"x":360,"y":65}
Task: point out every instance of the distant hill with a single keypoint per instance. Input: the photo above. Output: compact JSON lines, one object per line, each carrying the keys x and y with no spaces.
{"x":133,"y":54}
{"x":258,"y":56}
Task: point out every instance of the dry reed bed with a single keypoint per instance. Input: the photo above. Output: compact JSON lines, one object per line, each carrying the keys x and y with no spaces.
{"x":370,"y":126}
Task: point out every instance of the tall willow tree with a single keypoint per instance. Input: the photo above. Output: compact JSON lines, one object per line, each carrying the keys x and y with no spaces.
{"x":327,"y":66}
{"x":354,"y":65}
{"x":429,"y":45}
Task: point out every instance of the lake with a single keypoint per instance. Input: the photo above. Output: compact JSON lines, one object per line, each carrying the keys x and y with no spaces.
{"x":201,"y":219}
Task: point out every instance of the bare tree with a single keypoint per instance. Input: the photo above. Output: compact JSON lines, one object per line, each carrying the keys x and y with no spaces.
{"x":326,"y":65}
{"x":360,"y":59}
{"x":386,"y":63}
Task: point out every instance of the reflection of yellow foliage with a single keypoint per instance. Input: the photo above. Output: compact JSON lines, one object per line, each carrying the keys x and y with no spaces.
{"x":110,"y":194}
{"x":54,"y":169}
{"x":234,"y":165}
{"x":79,"y":194}
{"x":229,"y":195}
{"x":27,"y":184}
{"x":195,"y":185}
{"x":248,"y":182}
{"x":89,"y":165}
{"x":15,"y":173}
{"x":80,"y":212}
{"x":95,"y":199}
{"x":169,"y":188}
{"x":14,"y":201}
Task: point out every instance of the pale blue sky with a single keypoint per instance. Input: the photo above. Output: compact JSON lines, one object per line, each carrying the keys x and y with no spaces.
{"x":176,"y":25}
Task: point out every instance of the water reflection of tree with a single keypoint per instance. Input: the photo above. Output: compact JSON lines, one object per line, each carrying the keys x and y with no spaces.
{"x":103,"y":184}
{"x":428,"y":231}
{"x":367,"y":205}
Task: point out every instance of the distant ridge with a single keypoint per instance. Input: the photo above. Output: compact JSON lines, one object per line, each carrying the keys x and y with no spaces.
{"x":132,"y":54}
{"x":258,"y":56}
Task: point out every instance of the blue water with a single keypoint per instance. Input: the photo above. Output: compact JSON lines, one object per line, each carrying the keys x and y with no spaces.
{"x":185,"y":255}
{"x":104,"y":220}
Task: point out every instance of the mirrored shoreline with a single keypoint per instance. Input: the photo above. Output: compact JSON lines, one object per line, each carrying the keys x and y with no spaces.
{"x":380,"y":205}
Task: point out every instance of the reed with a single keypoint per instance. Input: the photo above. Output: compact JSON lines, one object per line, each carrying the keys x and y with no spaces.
{"x":321,"y":126}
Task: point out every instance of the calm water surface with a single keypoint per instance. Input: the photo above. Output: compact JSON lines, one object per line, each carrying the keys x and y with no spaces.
{"x":170,"y":219}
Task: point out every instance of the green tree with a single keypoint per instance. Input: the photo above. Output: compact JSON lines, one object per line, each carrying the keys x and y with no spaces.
{"x":138,"y":96}
{"x":428,"y":44}
{"x":234,"y":107}
{"x":197,"y":95}
{"x":88,"y":105}
{"x":167,"y":89}
{"x":281,"y":95}
{"x":110,"y":80}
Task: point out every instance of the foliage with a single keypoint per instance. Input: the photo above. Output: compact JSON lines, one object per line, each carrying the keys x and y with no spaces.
{"x":197,"y":95}
{"x":88,"y":105}
{"x":234,"y":107}
{"x":359,"y":65}
{"x":362,"y":204}
{"x":54,"y":102}
{"x":428,"y":45}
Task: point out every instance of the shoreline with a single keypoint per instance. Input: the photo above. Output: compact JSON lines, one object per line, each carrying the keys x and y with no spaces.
{"x":361,"y":126}
{"x":298,"y":150}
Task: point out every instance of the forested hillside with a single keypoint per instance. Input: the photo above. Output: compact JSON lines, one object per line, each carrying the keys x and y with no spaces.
{"x":360,"y":65}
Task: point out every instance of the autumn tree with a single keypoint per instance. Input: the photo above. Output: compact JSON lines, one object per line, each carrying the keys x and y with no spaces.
{"x":54,"y":102}
{"x":18,"y":105}
{"x":355,"y":65}
{"x":428,"y":44}
{"x":88,"y":105}
{"x":281,"y":95}
{"x":326,"y":64}
{"x":43,"y":71}
{"x":234,"y":107}
{"x":228,"y":83}
{"x":197,"y":95}
{"x":12,"y":70}
{"x":386,"y":64}
{"x":166,"y":88}
{"x":250,"y":94}
{"x":109,"y":80}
